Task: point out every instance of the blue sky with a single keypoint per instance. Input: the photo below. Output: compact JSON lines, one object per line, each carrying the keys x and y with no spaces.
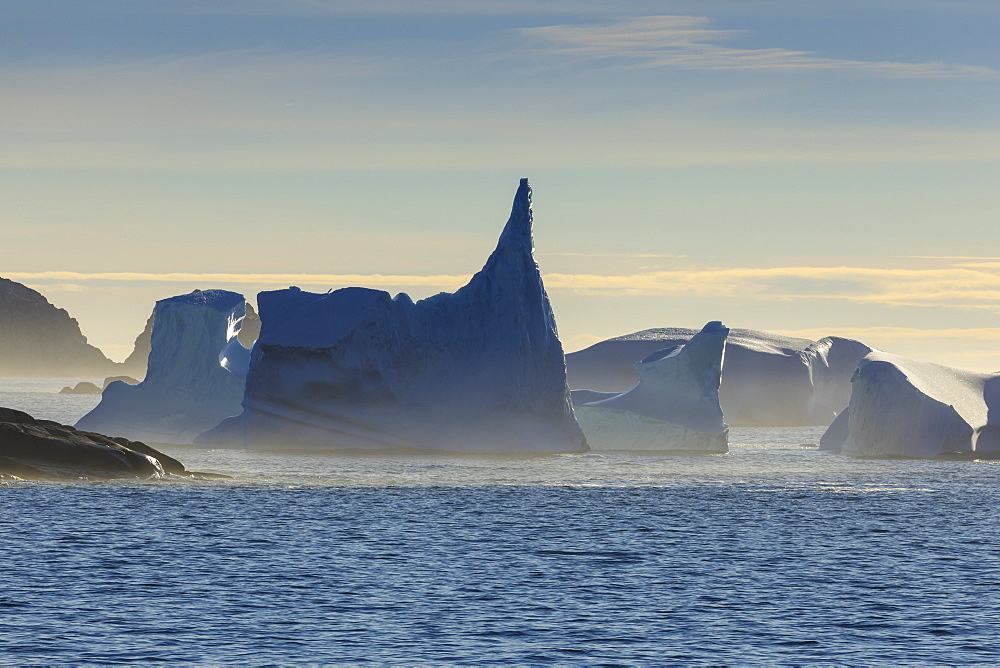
{"x":812,"y":167}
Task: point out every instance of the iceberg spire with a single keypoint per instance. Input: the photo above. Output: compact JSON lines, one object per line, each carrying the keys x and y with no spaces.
{"x":477,"y":370}
{"x":517,"y":231}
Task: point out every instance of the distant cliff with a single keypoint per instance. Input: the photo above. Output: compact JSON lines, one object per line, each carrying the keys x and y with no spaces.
{"x":39,"y":340}
{"x":251,"y":328}
{"x":135,"y":364}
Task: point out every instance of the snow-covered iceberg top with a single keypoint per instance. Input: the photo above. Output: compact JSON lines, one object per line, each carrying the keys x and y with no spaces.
{"x":904,"y":408}
{"x":479,"y":370}
{"x":187,"y":387}
{"x":674,"y":406}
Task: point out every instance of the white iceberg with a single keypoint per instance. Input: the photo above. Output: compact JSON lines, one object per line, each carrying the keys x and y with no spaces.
{"x":767,"y":379}
{"x":674,"y":407}
{"x":903,"y":408}
{"x":480,"y":370}
{"x":187,"y":388}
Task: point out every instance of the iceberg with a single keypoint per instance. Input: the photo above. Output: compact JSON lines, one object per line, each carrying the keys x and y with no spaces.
{"x":904,"y":408}
{"x":135,"y":363}
{"x":767,"y":379}
{"x":835,"y":435}
{"x":674,"y":407}
{"x":478,"y":370}
{"x":189,"y":386}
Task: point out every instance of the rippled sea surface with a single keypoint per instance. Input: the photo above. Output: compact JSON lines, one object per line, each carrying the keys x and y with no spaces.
{"x":774,"y":553}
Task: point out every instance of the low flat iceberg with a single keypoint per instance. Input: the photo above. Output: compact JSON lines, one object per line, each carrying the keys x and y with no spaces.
{"x":194,"y":375}
{"x":479,"y":370}
{"x":674,"y":406}
{"x":767,"y":380}
{"x":904,"y":408}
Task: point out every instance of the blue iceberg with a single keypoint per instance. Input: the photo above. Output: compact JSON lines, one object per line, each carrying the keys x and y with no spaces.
{"x":479,"y":370}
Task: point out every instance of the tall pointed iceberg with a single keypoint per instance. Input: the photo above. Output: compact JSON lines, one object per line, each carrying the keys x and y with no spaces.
{"x":479,"y":370}
{"x":187,"y":388}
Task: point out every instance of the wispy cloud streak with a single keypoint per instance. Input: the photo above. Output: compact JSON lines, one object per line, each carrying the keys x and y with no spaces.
{"x":377,"y":280}
{"x":954,"y":287}
{"x":636,"y":255}
{"x":987,"y":334}
{"x":688,"y":43}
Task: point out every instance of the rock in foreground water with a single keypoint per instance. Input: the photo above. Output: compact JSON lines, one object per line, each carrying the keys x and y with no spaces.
{"x":45,"y":450}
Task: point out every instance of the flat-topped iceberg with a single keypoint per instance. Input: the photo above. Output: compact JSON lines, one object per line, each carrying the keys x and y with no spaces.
{"x":674,"y":406}
{"x":767,"y":379}
{"x":904,"y":408}
{"x":480,"y":370}
{"x":187,"y":388}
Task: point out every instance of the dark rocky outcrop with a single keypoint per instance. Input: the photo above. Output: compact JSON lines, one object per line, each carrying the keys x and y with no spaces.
{"x":86,"y":387}
{"x":135,"y":364}
{"x":83,"y":387}
{"x":250,"y":329}
{"x":128,"y":380}
{"x":46,"y":450}
{"x":39,"y":340}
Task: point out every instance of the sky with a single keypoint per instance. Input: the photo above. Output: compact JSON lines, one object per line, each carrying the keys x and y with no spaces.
{"x":806,"y":167}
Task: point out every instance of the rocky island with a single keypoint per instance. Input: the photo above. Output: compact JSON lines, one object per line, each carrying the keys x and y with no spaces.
{"x":32,"y":449}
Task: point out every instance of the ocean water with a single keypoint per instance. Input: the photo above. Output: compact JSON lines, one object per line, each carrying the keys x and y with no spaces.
{"x":774,"y":553}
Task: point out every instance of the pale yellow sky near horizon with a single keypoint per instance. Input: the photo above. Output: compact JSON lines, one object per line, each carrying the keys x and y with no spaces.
{"x":971,"y":348}
{"x":823,"y":168}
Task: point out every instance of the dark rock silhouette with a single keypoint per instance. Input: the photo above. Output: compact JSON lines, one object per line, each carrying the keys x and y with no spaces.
{"x":39,"y":340}
{"x":46,"y":450}
{"x":128,"y":380}
{"x":83,"y":387}
{"x":33,"y":449}
{"x":135,"y":364}
{"x":250,"y":331}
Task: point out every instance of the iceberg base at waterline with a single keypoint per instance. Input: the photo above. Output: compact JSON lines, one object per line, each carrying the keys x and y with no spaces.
{"x":902,"y":408}
{"x":611,"y":429}
{"x":673,"y":408}
{"x":194,"y":378}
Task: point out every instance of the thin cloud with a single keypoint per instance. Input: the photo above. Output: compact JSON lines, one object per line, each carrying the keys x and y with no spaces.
{"x":953,"y":288}
{"x":209,"y":279}
{"x":64,"y":287}
{"x":867,"y":334}
{"x":638,"y":255}
{"x":689,"y":43}
{"x":979,"y":265}
{"x":367,"y":7}
{"x":951,"y":257}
